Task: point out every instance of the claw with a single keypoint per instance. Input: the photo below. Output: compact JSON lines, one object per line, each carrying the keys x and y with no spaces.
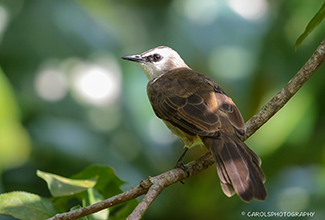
{"x":181,"y":165}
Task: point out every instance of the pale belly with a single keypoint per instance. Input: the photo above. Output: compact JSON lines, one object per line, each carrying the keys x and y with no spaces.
{"x":189,"y":140}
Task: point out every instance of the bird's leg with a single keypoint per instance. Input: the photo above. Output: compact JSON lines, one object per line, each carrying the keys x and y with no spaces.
{"x":180,"y":163}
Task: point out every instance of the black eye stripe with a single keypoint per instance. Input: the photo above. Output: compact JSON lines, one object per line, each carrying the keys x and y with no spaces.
{"x":154,"y":58}
{"x":149,"y":58}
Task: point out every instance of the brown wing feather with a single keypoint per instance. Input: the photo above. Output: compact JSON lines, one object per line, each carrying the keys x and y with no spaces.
{"x":192,"y":101}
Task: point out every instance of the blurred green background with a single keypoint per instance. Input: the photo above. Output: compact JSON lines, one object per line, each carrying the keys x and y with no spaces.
{"x":67,"y":100}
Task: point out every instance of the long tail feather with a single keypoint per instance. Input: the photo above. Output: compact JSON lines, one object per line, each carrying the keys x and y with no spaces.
{"x":238,"y":167}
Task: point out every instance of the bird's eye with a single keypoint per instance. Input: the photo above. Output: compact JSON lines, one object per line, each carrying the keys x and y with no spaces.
{"x":157,"y":57}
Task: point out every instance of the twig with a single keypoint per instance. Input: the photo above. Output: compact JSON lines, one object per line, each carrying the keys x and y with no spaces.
{"x":115,"y":200}
{"x":155,"y":185}
{"x":156,"y":188}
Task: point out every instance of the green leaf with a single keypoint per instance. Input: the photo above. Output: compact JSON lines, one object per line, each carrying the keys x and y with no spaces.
{"x":93,"y":196}
{"x":14,"y":139}
{"x":26,"y":206}
{"x":316,"y":20}
{"x":108,"y":184}
{"x":7,"y":99}
{"x":61,"y":186}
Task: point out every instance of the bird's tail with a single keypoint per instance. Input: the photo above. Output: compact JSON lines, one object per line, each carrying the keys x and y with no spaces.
{"x":238,"y":167}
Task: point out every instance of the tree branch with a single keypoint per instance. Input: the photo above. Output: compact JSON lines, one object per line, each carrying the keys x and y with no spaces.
{"x":278,"y":101}
{"x":153,"y":186}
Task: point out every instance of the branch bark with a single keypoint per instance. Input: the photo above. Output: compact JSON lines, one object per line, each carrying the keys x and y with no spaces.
{"x":153,"y":186}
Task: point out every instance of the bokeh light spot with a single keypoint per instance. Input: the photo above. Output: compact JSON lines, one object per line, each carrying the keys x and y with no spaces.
{"x":51,"y":84}
{"x":203,"y":13}
{"x":249,"y":9}
{"x":95,"y":83}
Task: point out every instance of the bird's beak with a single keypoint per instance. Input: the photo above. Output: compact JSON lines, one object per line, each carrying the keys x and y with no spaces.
{"x":135,"y":58}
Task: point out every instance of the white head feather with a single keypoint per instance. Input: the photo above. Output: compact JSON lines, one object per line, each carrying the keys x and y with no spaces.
{"x":158,"y":61}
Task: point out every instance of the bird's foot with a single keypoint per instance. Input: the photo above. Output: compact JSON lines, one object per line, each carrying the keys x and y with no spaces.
{"x":181,"y":165}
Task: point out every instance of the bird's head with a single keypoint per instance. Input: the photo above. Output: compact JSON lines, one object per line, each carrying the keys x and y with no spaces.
{"x":158,"y":61}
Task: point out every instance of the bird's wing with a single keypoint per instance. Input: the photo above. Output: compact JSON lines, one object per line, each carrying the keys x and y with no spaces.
{"x":194,"y":103}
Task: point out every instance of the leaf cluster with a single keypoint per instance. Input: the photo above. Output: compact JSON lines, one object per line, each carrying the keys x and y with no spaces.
{"x":87,"y":187}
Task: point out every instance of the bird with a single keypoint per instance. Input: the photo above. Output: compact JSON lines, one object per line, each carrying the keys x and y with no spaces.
{"x":196,"y":109}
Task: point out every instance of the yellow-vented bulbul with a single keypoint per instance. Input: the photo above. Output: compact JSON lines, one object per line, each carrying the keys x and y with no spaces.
{"x":197,"y":110}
